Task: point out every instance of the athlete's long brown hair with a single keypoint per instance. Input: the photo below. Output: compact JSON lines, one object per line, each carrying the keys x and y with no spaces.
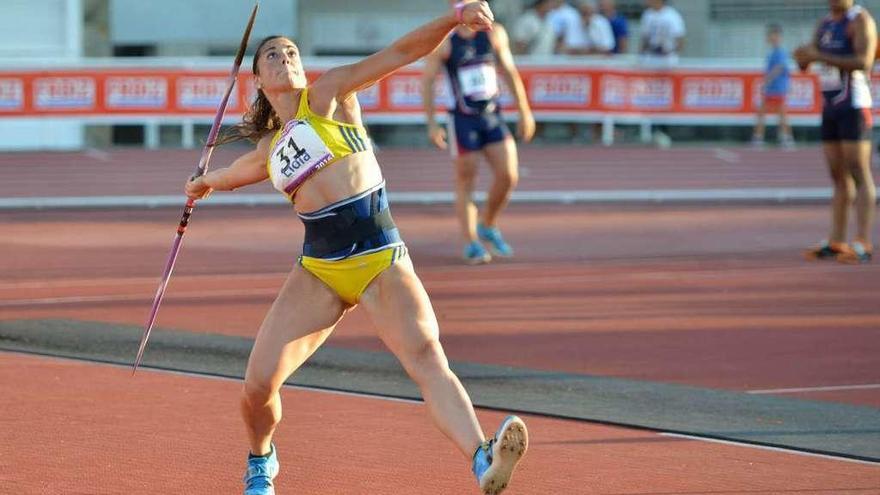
{"x":260,"y":119}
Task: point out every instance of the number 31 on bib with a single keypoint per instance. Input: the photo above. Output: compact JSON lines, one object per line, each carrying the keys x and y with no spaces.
{"x":297,"y":153}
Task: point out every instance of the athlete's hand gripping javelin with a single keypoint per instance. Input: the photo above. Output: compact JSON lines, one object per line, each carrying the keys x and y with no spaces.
{"x":197,"y":189}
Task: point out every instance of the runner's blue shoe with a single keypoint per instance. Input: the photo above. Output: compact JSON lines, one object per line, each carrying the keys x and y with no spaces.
{"x":260,"y":473}
{"x":857,"y":253}
{"x":475,"y":254}
{"x":493,"y":236}
{"x":496,"y":458}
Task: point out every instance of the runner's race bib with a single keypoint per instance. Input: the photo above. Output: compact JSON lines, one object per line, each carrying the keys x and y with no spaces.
{"x":829,"y":78}
{"x":478,"y":82}
{"x":297,"y":153}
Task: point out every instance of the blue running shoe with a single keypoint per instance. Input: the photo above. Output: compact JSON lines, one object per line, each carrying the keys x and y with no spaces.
{"x":476,"y":254}
{"x":260,"y":473}
{"x":857,"y":254}
{"x":493,"y":236}
{"x":495,"y":459}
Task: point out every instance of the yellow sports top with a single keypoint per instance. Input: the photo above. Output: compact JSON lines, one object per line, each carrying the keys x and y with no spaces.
{"x":308,"y":143}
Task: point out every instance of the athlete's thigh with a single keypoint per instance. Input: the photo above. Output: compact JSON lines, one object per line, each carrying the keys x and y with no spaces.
{"x":398,"y":305}
{"x":466,"y":166}
{"x":301,"y":318}
{"x":502,"y":157}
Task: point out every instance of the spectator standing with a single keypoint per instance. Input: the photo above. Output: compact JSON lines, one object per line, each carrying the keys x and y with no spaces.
{"x":619,"y":26}
{"x":662,"y":38}
{"x":592,"y":35}
{"x":533,"y":34}
{"x":776,"y":82}
{"x":662,"y":33}
{"x":565,"y":20}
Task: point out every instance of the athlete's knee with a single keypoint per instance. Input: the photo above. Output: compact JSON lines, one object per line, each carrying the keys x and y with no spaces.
{"x":868,"y":191}
{"x":465,"y":181}
{"x":465,"y":171}
{"x":839,"y":175}
{"x":508,"y":178}
{"x":258,"y":393}
{"x":860,"y":171}
{"x":426,"y":361}
{"x":845,"y":189}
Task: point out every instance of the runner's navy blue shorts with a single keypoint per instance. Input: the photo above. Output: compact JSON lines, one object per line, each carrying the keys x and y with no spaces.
{"x":846,"y":124}
{"x":475,"y":132}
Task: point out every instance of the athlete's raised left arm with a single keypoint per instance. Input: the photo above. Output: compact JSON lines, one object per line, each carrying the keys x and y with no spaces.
{"x":864,"y":46}
{"x":501,"y":44}
{"x":341,"y":82}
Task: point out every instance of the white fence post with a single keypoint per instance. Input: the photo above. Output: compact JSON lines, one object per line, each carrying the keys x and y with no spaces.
{"x":187,"y":134}
{"x":645,"y":131}
{"x":151,"y":135}
{"x":608,"y":130}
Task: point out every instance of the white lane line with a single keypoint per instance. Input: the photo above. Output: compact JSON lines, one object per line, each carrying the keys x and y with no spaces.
{"x":96,"y":154}
{"x":866,"y":386}
{"x":780,"y":194}
{"x":767,"y":447}
{"x":726,"y":156}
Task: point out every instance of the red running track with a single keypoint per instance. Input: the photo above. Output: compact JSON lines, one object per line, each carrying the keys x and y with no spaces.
{"x":715,"y":297}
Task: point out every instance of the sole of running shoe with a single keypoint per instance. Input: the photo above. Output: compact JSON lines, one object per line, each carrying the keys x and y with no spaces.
{"x":511,"y":444}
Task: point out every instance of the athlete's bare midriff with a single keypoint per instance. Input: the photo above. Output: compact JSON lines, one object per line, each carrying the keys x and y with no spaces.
{"x":339,"y":180}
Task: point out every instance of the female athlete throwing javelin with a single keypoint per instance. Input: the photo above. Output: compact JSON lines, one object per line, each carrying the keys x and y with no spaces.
{"x":312,"y":145}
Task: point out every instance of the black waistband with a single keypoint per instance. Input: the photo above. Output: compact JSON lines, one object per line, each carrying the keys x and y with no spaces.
{"x":350,"y":228}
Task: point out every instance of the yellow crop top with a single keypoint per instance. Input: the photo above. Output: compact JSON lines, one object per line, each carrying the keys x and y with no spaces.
{"x":309,"y":142}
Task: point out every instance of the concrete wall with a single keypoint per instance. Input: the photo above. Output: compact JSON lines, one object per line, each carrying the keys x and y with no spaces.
{"x":707,"y":37}
{"x":196,"y":27}
{"x":360,"y":26}
{"x":40,"y":29}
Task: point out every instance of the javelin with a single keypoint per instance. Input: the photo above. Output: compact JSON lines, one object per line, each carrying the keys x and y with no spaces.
{"x":190,"y":204}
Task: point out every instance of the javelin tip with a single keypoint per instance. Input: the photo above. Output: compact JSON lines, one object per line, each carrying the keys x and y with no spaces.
{"x":239,"y":56}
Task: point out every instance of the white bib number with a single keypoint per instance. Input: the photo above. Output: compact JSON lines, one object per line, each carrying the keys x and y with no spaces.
{"x":299,"y":150}
{"x":478,"y":82}
{"x":829,"y":78}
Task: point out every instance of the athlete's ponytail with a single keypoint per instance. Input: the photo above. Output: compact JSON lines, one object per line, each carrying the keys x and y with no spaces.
{"x":260,"y":118}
